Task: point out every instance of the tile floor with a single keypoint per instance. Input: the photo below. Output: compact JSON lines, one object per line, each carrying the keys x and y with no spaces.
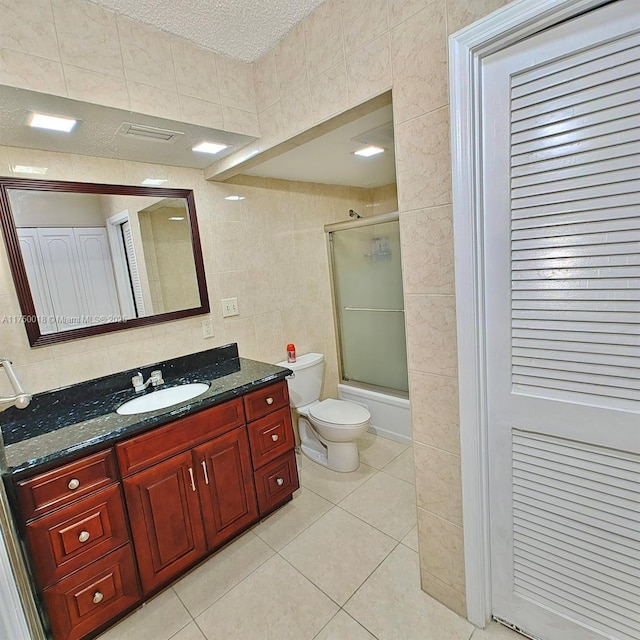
{"x":339,"y":562}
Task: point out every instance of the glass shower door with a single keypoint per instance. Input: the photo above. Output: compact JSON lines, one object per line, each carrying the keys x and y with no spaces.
{"x":367,"y":276}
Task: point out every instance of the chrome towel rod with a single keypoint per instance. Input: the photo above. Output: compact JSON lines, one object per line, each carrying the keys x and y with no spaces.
{"x":380,"y":310}
{"x":21,"y":399}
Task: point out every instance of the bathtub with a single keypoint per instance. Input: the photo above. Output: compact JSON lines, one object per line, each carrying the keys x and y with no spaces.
{"x":390,"y":415}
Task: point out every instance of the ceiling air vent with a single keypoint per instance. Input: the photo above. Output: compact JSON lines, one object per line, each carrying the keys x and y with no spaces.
{"x":145,"y":132}
{"x":381,"y":136}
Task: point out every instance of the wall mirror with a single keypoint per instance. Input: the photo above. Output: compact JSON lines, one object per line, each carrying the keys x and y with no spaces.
{"x":89,"y":258}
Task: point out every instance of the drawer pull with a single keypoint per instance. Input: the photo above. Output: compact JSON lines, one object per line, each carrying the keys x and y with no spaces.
{"x":97,"y":597}
{"x":204,"y":468}
{"x":84,"y":536}
{"x":193,"y":482}
{"x":279,"y":481}
{"x":269,"y":400}
{"x":274,"y":437}
{"x":74,"y":483}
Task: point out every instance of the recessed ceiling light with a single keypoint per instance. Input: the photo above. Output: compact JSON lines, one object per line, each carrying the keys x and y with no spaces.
{"x":19,"y":168}
{"x":368,"y":151}
{"x":154,"y":182}
{"x":234,"y":198}
{"x":209,"y":147}
{"x":54,"y":123}
{"x":177,"y":218}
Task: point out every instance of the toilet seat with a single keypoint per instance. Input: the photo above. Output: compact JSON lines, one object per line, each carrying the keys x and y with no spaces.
{"x":339,"y":413}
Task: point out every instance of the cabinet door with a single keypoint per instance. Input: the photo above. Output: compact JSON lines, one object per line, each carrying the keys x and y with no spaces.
{"x":165,"y":519}
{"x":226,"y":486}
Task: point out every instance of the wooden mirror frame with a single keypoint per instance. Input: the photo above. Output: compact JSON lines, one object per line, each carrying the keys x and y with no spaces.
{"x":19,"y":272}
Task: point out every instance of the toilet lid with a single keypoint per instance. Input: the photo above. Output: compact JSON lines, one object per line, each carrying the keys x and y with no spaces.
{"x":339,"y":412}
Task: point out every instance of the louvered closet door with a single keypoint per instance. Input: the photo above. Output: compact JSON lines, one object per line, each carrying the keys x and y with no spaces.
{"x":561,"y":159}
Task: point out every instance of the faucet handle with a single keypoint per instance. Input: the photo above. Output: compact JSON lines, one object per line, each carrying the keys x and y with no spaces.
{"x":138,"y":382}
{"x":156,"y":378}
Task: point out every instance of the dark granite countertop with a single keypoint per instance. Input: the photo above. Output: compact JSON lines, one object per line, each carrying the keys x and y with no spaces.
{"x":66,"y":423}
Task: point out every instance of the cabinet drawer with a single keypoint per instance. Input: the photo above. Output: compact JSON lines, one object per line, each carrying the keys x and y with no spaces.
{"x":70,"y":538}
{"x":276,"y":482}
{"x":259,"y":403}
{"x":159,"y":444}
{"x":48,"y":491}
{"x":271,"y":436}
{"x":91,"y":597}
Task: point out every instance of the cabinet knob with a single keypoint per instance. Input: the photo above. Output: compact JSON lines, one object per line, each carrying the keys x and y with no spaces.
{"x":274,"y":437}
{"x":74,"y":483}
{"x":269,"y":400}
{"x":84,"y":536}
{"x":97,"y":597}
{"x":279,"y":481}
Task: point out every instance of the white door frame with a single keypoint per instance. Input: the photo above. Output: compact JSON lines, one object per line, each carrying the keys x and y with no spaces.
{"x":467,"y":48}
{"x":120,"y":268}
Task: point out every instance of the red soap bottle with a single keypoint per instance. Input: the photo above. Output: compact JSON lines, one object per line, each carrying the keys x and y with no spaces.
{"x":291,"y":352}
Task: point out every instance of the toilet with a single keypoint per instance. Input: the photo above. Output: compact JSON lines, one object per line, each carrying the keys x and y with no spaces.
{"x":328,"y":428}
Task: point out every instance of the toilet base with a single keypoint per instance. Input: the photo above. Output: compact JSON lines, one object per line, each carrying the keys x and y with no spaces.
{"x":337,"y":456}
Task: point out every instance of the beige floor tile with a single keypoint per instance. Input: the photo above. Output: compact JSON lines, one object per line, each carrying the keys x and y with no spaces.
{"x":333,"y":485}
{"x":411,"y":539}
{"x":302,"y":460}
{"x":496,"y":631}
{"x":338,"y":552}
{"x":285,"y":524}
{"x":190,"y":632}
{"x":391,"y":605}
{"x":159,"y":619}
{"x":403,"y":467}
{"x":210,"y":581}
{"x":274,"y":603}
{"x":378,"y":452}
{"x":344,"y":627}
{"x":386,"y":503}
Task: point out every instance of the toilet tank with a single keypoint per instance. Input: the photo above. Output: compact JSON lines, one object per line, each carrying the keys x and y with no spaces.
{"x":305,"y":386}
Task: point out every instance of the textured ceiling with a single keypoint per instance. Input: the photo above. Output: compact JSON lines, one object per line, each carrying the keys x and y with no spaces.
{"x":241,"y":29}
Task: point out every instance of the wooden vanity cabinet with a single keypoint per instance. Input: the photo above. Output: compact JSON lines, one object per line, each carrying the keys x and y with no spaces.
{"x":76,"y":531}
{"x":188,"y":486}
{"x":272,"y":445}
{"x":192,"y":502}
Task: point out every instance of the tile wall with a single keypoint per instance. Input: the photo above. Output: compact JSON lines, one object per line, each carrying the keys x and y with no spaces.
{"x":267,"y":250}
{"x":344,"y":53}
{"x":79,"y":50}
{"x":355,"y":50}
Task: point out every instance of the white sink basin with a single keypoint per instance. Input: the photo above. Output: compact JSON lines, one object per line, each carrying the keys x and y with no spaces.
{"x":162,"y":398}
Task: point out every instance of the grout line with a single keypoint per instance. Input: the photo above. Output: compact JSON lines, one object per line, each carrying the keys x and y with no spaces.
{"x":216,"y":554}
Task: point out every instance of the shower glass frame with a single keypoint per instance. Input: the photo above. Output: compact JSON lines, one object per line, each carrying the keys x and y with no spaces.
{"x":335,"y":288}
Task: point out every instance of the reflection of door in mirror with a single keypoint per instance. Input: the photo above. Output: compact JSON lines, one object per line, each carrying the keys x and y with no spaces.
{"x":125,"y":266}
{"x":67,"y":260}
{"x":70,"y":274}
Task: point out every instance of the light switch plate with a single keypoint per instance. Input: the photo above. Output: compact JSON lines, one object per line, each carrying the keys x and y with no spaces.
{"x":230,"y":307}
{"x":207,"y":328}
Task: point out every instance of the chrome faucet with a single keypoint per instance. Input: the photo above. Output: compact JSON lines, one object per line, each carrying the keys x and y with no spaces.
{"x":140,"y":385}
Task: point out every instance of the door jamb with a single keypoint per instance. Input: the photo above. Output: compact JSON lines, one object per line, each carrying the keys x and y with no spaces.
{"x":467,"y":48}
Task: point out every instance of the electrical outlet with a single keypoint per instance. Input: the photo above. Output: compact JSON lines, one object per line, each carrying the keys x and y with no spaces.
{"x":207,"y":328}
{"x":230,"y":307}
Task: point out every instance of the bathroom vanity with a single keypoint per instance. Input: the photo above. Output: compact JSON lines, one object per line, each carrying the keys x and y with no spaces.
{"x":110,"y":509}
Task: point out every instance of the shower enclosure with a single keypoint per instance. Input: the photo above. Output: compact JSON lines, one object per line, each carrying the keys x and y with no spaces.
{"x":368,"y":302}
